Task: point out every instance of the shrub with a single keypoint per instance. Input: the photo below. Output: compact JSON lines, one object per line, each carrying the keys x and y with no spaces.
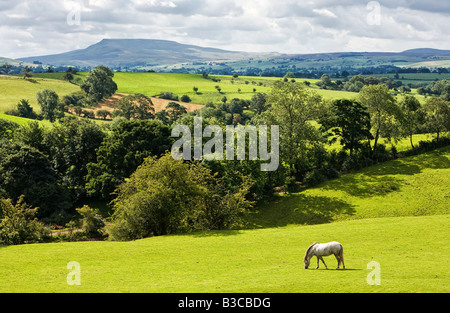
{"x":329,"y":172}
{"x":313,"y":178}
{"x":91,"y":223}
{"x":185,"y":98}
{"x":166,"y":196}
{"x":18,"y":224}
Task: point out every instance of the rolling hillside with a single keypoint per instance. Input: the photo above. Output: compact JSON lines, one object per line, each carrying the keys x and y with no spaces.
{"x":167,"y":56}
{"x":13,"y":88}
{"x":138,"y":52}
{"x":376,"y":209}
{"x":411,"y":186}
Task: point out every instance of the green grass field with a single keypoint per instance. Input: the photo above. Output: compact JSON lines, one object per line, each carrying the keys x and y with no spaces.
{"x":411,"y":252}
{"x":13,"y":88}
{"x":416,"y":185}
{"x":396,"y":214}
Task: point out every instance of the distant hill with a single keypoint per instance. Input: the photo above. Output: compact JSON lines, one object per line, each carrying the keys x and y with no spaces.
{"x":138,"y":52}
{"x":171,"y":56}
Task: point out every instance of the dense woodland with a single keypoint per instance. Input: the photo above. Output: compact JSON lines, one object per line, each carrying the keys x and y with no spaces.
{"x":49,"y":176}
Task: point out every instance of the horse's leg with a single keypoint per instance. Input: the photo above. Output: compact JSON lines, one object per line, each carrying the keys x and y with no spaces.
{"x":338,"y":260}
{"x":317,"y":261}
{"x":324,"y":263}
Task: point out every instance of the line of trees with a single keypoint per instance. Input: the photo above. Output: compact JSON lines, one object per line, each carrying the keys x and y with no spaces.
{"x":75,"y":161}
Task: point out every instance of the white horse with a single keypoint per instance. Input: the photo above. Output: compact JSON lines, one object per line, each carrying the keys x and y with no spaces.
{"x":324,"y":249}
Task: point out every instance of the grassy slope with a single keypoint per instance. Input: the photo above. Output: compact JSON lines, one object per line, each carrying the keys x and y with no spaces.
{"x":13,"y":88}
{"x":410,"y":249}
{"x":416,"y":185}
{"x":411,"y":252}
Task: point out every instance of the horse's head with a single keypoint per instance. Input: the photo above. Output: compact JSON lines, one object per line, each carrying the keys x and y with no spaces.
{"x":307,"y":260}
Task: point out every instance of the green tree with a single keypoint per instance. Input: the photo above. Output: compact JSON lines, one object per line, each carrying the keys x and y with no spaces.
{"x":103,"y":114}
{"x":292,"y":107}
{"x":349,"y":122}
{"x":384,"y":112}
{"x":137,"y":107}
{"x":437,"y":118}
{"x":258,"y":103}
{"x":71,"y":144}
{"x":24,"y":109}
{"x":412,"y":117}
{"x":68,"y":76}
{"x":18,"y":224}
{"x":174,"y":110}
{"x":27,"y":171}
{"x":122,"y":151}
{"x":32,"y":134}
{"x":50,"y":108}
{"x":91,"y":223}
{"x":99,"y":84}
{"x":7,"y":129}
{"x":166,"y":196}
{"x":27,"y":72}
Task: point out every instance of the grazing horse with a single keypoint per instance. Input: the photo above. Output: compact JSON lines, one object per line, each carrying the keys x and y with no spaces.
{"x":324,"y":249}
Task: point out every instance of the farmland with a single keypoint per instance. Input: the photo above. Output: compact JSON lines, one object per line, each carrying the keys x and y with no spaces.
{"x":395,"y":213}
{"x":269,"y":258}
{"x":13,"y":88}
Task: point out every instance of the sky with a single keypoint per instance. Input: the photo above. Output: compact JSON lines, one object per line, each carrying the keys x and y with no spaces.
{"x":41,"y":27}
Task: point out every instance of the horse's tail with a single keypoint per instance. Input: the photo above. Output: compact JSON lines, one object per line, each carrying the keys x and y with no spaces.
{"x":341,"y":256}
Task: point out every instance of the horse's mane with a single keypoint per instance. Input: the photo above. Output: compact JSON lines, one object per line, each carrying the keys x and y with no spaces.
{"x":307,"y":250}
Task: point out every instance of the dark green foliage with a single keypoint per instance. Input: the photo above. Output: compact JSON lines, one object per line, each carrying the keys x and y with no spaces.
{"x":91,"y":223}
{"x":71,"y":144}
{"x":437,"y":115}
{"x":349,"y":121}
{"x":7,"y":129}
{"x":313,"y":178}
{"x":25,"y":110}
{"x":136,"y":107}
{"x":26,"y":171}
{"x":122,"y":151}
{"x":18,"y":224}
{"x":51,"y":109}
{"x":99,"y":84}
{"x":166,"y":196}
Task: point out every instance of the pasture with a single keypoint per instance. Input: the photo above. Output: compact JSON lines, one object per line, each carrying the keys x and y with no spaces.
{"x":416,"y":185}
{"x":14,"y":88}
{"x":410,"y":250}
{"x":395,"y":213}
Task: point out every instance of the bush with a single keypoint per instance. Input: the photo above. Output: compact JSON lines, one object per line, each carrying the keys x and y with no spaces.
{"x":350,"y":163}
{"x":313,"y":178}
{"x":18,"y":224}
{"x":91,"y":223}
{"x":329,"y":172}
{"x":185,"y":98}
{"x":166,"y":196}
{"x":169,"y":96}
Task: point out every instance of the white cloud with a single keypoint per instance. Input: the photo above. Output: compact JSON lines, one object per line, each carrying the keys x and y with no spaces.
{"x":325,"y":12}
{"x":40,"y":27}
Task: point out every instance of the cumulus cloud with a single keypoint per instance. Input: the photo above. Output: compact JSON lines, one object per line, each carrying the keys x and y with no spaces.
{"x":39,"y":27}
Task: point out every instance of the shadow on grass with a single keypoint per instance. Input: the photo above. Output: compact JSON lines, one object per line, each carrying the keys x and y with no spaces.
{"x":299,"y":209}
{"x":216,"y":233}
{"x":380,"y":179}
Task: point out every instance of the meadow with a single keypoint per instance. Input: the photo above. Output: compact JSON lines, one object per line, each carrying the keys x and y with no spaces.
{"x":14,"y":88}
{"x":416,"y":185}
{"x":404,"y":229}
